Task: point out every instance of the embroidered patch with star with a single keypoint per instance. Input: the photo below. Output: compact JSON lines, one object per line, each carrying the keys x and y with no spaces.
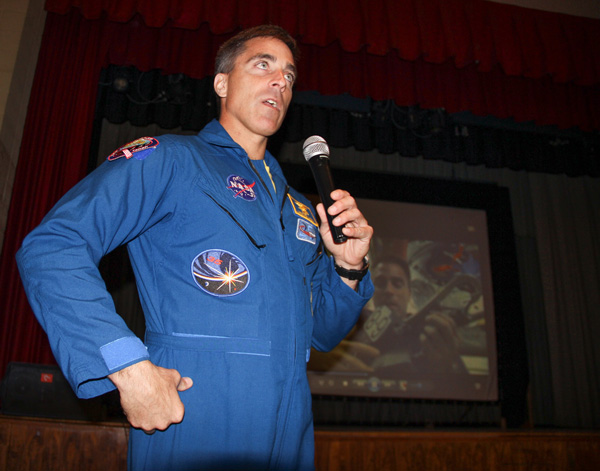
{"x":302,"y":210}
{"x":220,"y":273}
{"x":138,"y":149}
{"x":241,"y":187}
{"x":306,"y":231}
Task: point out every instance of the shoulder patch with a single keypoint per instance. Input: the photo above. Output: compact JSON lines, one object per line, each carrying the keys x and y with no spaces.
{"x":302,"y":210}
{"x":139,"y":149}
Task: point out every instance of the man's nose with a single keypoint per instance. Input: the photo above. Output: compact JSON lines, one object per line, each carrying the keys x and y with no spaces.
{"x":279,"y":79}
{"x":389,"y":285}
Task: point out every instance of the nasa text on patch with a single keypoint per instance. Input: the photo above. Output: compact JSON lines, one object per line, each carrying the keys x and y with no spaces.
{"x":138,"y":149}
{"x":241,"y":187}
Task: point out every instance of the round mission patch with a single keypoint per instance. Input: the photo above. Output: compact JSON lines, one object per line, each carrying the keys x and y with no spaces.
{"x":220,"y":273}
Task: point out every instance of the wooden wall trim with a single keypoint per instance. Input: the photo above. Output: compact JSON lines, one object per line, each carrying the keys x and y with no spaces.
{"x":41,"y":444}
{"x":458,"y":450}
{"x":32,"y":444}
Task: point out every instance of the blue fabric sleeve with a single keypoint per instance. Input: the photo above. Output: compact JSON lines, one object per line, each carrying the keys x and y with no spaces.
{"x":58,"y":262}
{"x":336,"y":306}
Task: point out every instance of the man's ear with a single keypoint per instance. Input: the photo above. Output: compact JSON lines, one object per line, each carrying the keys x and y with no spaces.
{"x":220,"y":85}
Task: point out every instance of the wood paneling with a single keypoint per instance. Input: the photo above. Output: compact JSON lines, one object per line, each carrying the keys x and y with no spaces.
{"x":457,"y":451}
{"x":44,"y":444}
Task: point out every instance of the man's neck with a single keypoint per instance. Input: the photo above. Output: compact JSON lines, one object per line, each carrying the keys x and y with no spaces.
{"x":255,"y":146}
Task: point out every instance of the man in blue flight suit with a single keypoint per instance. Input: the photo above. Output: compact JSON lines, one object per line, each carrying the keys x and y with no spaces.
{"x":233,"y":282}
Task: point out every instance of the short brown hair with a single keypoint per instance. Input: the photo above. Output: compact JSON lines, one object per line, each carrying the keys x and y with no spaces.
{"x":231,"y":49}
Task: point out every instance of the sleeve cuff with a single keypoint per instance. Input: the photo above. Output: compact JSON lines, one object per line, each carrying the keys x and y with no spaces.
{"x":365,"y":288}
{"x":122,"y":352}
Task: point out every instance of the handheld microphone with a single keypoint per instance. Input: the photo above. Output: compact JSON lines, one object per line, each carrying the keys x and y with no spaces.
{"x":316,"y":153}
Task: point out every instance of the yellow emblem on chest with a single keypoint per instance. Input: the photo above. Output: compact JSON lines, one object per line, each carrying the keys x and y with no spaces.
{"x":303,"y":210}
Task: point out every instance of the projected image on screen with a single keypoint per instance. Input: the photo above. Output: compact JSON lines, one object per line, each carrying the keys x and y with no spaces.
{"x":428,"y":331}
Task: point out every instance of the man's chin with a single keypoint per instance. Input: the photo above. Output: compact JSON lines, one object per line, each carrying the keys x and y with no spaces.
{"x":398,"y":311}
{"x":270,"y":126}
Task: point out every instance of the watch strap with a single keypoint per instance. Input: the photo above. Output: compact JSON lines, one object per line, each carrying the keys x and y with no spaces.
{"x":353,"y":274}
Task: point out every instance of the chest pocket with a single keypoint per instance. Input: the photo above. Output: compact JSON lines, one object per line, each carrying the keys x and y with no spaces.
{"x":239,"y":203}
{"x":224,"y":242}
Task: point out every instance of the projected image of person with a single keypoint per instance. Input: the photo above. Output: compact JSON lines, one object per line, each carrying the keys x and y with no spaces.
{"x":421,"y":321}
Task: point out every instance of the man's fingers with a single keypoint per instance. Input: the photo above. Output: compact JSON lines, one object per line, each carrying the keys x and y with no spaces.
{"x":150,"y":395}
{"x":445,"y":327}
{"x":185,"y":383}
{"x":321,"y":211}
{"x":182,"y":382}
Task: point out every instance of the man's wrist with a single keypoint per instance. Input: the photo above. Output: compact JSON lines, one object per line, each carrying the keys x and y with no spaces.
{"x":122,"y":376}
{"x":355,"y":274}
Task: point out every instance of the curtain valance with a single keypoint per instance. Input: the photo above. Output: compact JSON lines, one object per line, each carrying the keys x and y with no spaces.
{"x":521,"y":41}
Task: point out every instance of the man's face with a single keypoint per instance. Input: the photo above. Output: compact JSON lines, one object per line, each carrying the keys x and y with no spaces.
{"x":257,"y":92}
{"x":392,"y":288}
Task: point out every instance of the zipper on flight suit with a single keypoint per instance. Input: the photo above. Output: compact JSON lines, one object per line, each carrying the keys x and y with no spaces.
{"x":256,"y":244}
{"x":284,"y":417}
{"x":285,"y":193}
{"x":261,"y":180}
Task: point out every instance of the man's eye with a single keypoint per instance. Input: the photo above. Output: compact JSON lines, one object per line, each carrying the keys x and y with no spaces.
{"x":290,"y":78}
{"x":262,"y":65}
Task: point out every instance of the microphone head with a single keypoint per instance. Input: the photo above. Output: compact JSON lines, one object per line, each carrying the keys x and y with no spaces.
{"x":315,"y":145}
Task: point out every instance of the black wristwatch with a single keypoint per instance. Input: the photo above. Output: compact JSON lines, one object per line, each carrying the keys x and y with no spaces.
{"x":353,"y":274}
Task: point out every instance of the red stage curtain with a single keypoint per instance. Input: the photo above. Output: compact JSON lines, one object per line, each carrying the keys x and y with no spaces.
{"x":487,"y":58}
{"x":54,"y":156}
{"x":520,"y":41}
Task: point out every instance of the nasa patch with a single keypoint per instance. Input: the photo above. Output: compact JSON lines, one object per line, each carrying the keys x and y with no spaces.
{"x":138,"y":149}
{"x":220,"y":273}
{"x":302,"y":210}
{"x":306,"y":231}
{"x":241,"y":187}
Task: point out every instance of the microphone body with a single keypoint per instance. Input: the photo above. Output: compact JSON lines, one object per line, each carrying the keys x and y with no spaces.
{"x":316,"y":153}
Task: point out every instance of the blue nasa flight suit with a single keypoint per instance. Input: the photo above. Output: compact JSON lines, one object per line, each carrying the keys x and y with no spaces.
{"x":234,"y":287}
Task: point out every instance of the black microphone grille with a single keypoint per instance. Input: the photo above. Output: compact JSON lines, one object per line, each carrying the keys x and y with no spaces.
{"x":315,"y":145}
